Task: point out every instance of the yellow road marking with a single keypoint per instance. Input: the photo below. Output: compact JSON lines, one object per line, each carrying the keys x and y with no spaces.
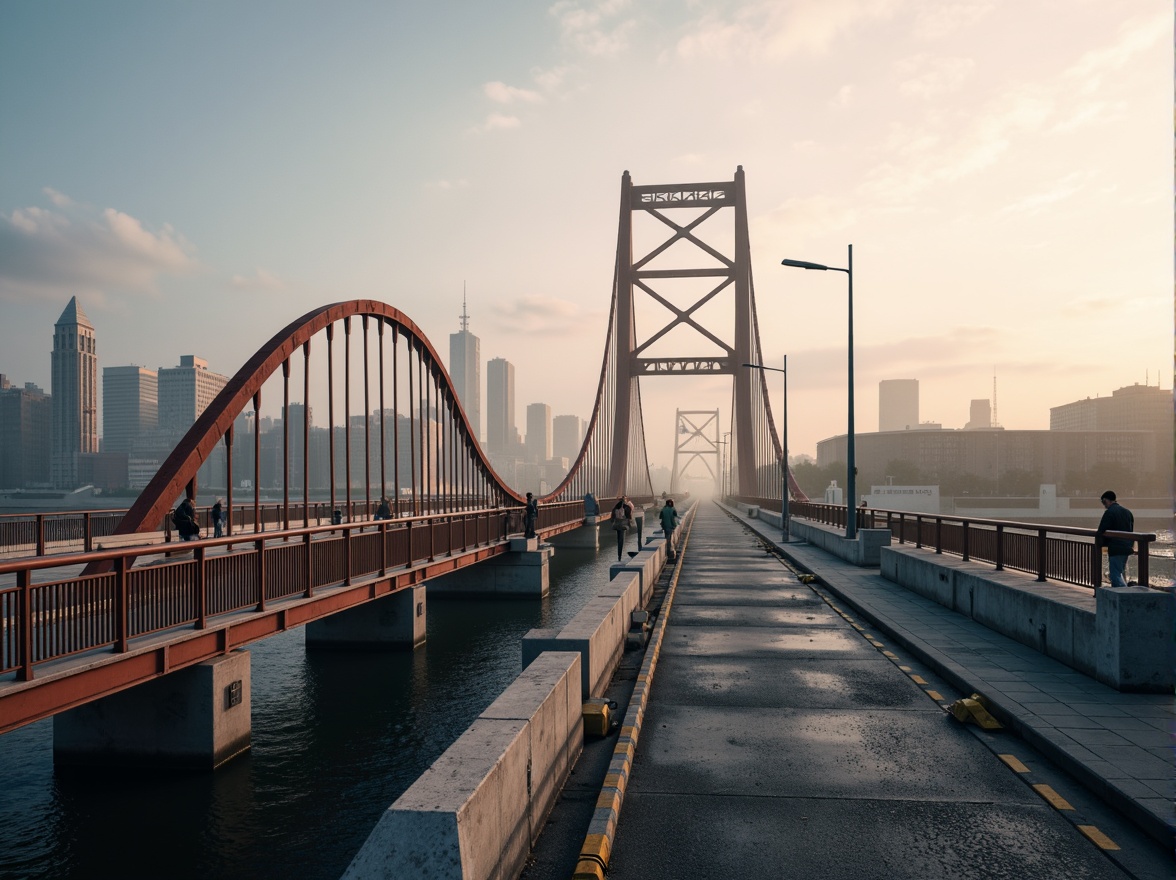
{"x":877,"y":644}
{"x":918,"y":679}
{"x":935,"y":695}
{"x":1055,"y":800}
{"x":890,"y":654}
{"x":905,"y":668}
{"x":1100,"y":839}
{"x":1014,"y":762}
{"x":857,"y":627}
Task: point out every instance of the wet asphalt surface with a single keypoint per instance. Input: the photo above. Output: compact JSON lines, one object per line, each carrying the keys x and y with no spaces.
{"x":779,"y":742}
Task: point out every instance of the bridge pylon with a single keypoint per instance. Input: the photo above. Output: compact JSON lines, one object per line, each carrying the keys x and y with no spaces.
{"x":696,"y":439}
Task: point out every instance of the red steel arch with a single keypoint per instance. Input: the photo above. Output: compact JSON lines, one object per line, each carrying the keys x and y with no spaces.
{"x":179,"y":470}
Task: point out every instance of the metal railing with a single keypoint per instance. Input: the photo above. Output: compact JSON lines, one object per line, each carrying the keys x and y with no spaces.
{"x":1063,"y":553}
{"x":68,"y":615}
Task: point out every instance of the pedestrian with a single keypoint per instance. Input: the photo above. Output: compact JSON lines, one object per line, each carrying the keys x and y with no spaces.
{"x":1116,"y":518}
{"x":184,"y":519}
{"x":530,"y":516}
{"x":384,"y":511}
{"x":218,"y":519}
{"x":669,"y":521}
{"x":621,"y":522}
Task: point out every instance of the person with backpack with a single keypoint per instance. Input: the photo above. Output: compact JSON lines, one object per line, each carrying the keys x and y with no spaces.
{"x":622,"y":515}
{"x":184,"y":519}
{"x":669,"y":521}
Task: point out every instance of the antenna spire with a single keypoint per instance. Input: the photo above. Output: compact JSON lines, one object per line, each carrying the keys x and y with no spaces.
{"x":465,"y":318}
{"x":995,"y":421}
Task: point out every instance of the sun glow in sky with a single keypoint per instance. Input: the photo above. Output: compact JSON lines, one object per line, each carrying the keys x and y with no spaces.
{"x":200,"y":174}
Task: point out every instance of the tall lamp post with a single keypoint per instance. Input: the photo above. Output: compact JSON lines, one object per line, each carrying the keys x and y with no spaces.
{"x":851,"y":462}
{"x":784,"y":517}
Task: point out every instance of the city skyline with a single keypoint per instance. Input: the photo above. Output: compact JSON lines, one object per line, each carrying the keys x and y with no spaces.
{"x":1006,"y":189}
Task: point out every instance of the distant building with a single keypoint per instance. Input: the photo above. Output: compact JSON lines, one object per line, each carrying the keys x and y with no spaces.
{"x":130,"y":406}
{"x":465,"y":368}
{"x":567,"y":435}
{"x":979,"y":416}
{"x":501,"y":429}
{"x":898,"y":404}
{"x":25,"y":426}
{"x":538,"y":442}
{"x":185,"y":392}
{"x":75,"y":395}
{"x":1132,"y":408}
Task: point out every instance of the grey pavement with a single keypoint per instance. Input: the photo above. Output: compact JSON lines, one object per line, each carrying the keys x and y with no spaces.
{"x":779,"y":741}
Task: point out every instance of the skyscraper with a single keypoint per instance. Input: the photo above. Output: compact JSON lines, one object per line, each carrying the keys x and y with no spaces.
{"x":130,"y":406}
{"x":538,"y":432}
{"x":898,"y":405}
{"x":501,"y":429}
{"x":567,"y":433}
{"x":25,"y":419}
{"x":75,"y":394}
{"x":185,"y":392}
{"x":465,"y":368}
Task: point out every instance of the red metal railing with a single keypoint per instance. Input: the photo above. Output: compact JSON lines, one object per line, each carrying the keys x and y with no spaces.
{"x":1062,"y":553}
{"x":59,"y":618}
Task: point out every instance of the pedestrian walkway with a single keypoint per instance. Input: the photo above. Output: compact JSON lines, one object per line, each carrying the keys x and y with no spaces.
{"x":1119,"y":745}
{"x":778,"y":741}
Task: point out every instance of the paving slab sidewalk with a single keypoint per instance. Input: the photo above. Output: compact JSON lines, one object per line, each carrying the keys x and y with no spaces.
{"x":1119,"y":745}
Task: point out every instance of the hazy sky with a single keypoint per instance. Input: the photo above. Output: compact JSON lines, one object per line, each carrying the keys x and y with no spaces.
{"x":199,"y":174}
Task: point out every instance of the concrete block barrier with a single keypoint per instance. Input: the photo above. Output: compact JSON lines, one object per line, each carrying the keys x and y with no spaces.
{"x":597,"y":633}
{"x":475,"y":813}
{"x":864,"y":550}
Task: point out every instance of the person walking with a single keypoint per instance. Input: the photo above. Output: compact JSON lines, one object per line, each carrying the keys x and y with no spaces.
{"x":669,"y":522}
{"x":621,"y":519}
{"x":218,"y":519}
{"x":1116,"y":518}
{"x":530,"y":516}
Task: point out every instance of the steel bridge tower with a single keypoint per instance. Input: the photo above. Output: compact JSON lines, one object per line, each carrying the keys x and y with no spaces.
{"x":737,"y":341}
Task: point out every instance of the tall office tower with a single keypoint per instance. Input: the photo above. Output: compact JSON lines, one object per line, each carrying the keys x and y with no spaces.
{"x":979,"y":415}
{"x":567,"y":433}
{"x":130,"y":406}
{"x":75,"y":394}
{"x":185,"y":392}
{"x":898,"y":404}
{"x":25,"y":420}
{"x":501,"y":429}
{"x":538,"y":442}
{"x":465,"y":368}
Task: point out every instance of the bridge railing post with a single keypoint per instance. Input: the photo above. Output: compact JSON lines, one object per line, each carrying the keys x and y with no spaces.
{"x":40,"y":534}
{"x":966,"y":526}
{"x":1042,"y":554}
{"x":201,"y":588}
{"x":1143,"y":572}
{"x":1000,"y":547}
{"x":24,"y":582}
{"x":87,"y":532}
{"x":938,"y":534}
{"x":259,"y":569}
{"x":308,"y":541}
{"x":122,"y":609}
{"x":918,"y":531}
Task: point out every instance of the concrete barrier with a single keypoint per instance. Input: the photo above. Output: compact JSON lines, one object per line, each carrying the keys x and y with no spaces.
{"x":597,"y":633}
{"x":864,"y":550}
{"x":647,"y":564}
{"x":1121,"y":637}
{"x":476,"y":812}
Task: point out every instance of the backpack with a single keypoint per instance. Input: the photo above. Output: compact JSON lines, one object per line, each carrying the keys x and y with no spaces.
{"x":619,"y":515}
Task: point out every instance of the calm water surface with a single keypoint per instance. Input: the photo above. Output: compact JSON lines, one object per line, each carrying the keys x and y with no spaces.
{"x":337,"y":737}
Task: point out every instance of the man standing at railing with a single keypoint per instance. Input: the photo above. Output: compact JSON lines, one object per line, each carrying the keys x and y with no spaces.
{"x":1116,"y":518}
{"x":530,"y":515}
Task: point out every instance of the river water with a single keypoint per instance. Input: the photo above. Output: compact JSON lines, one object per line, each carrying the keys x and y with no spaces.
{"x":337,"y":737}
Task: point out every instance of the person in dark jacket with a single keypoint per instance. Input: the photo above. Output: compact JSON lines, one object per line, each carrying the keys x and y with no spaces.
{"x":1116,"y":518}
{"x":621,"y":519}
{"x":669,"y":521}
{"x":530,"y":516}
{"x":218,"y":519}
{"x":185,"y":520}
{"x":384,"y":511}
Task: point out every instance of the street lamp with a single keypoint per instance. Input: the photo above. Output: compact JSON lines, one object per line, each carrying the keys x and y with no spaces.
{"x":784,"y":516}
{"x":851,"y":463}
{"x":723,"y":467}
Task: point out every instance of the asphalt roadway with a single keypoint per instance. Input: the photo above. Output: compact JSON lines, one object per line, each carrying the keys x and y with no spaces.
{"x":781,"y":741}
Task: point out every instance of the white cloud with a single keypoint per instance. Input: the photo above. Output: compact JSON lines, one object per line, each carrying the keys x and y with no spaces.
{"x":590,"y":29}
{"x":772,"y":31}
{"x":79,"y":248}
{"x":261,"y":279}
{"x":538,"y":314}
{"x":550,"y":79}
{"x":501,"y":93}
{"x":1036,"y":202}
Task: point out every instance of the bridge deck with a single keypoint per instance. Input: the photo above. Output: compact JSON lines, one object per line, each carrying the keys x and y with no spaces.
{"x":781,"y":734}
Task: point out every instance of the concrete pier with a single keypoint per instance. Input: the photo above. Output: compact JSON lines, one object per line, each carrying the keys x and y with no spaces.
{"x":195,"y":718}
{"x":395,"y":622}
{"x":522,"y":572}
